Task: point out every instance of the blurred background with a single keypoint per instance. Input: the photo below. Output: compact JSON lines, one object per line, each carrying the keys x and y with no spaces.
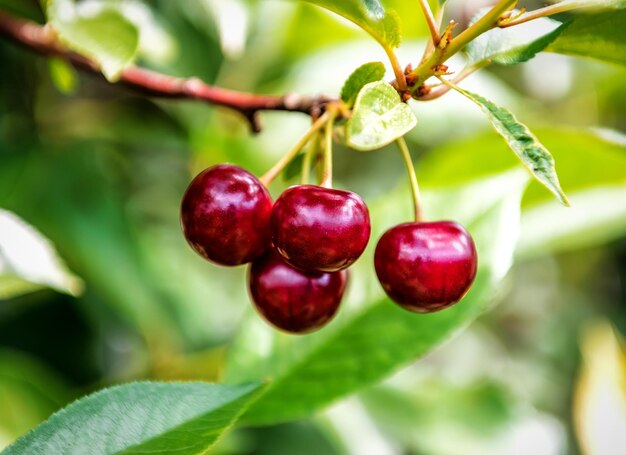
{"x":98,"y":287}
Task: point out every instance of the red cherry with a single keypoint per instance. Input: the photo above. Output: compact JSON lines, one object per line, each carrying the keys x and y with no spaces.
{"x":292,"y":300}
{"x":225,"y":215}
{"x":426,"y":267}
{"x":320,"y":229}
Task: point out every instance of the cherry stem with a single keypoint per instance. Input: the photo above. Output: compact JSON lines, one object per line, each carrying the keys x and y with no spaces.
{"x":415,"y":190}
{"x":308,"y":159}
{"x":430,"y":20}
{"x":451,"y":85}
{"x":441,"y":89}
{"x":327,"y":175}
{"x":542,"y":12}
{"x":273,"y":172}
{"x":397,"y":68}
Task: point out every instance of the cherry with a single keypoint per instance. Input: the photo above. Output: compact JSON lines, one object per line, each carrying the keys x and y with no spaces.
{"x":426,"y":267}
{"x":320,"y":229}
{"x":293,"y":300}
{"x":225,"y":215}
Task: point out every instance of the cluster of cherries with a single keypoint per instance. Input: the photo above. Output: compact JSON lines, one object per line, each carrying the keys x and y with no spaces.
{"x":301,"y":246}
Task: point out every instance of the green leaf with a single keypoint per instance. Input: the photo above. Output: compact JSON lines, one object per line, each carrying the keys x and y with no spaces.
{"x":601,"y":36}
{"x":378,"y":337}
{"x":526,"y":146}
{"x":596,"y":35}
{"x":507,"y":46}
{"x":363,"y":75}
{"x":370,"y":15}
{"x":379,"y":117}
{"x":106,"y":37}
{"x":591,"y":166}
{"x":139,"y":418}
{"x":28,"y":261}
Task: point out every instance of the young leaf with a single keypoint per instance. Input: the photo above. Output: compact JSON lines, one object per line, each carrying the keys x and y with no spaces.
{"x":370,"y":15}
{"x":368,"y":344}
{"x":525,"y":145}
{"x":139,"y":418}
{"x":106,"y":37}
{"x":507,"y":46}
{"x":601,"y":36}
{"x":379,"y":117}
{"x":29,"y":262}
{"x":363,"y":75}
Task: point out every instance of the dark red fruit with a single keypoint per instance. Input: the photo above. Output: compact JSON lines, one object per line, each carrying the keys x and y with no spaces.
{"x":225,"y":215}
{"x":426,"y":267}
{"x":320,"y":229}
{"x":293,"y":300}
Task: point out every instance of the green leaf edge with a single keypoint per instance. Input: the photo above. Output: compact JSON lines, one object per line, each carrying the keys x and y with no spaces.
{"x":256,"y":389}
{"x":522,"y":134}
{"x":388,"y":18}
{"x":360,"y":77}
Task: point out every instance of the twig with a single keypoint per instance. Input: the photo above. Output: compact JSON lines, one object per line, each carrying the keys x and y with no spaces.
{"x":43,"y":40}
{"x":430,"y":45}
{"x":430,"y":20}
{"x":541,"y":12}
{"x":436,"y":91}
{"x":442,"y":52}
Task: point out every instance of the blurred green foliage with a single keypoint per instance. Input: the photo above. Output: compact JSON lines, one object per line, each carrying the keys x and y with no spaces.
{"x":99,"y":171}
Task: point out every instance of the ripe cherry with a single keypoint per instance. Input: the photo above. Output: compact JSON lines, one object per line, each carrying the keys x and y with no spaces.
{"x":320,"y":229}
{"x":293,"y":300}
{"x":426,"y":267}
{"x":225,"y":215}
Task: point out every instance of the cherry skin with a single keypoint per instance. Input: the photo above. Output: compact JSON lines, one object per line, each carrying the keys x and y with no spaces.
{"x":225,"y":215}
{"x":292,"y":300}
{"x":320,"y":229}
{"x":426,"y":267}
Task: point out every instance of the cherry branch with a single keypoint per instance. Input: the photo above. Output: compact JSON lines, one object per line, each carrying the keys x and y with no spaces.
{"x":43,"y":40}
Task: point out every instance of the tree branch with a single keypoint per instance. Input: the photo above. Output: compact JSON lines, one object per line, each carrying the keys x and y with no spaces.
{"x":43,"y":40}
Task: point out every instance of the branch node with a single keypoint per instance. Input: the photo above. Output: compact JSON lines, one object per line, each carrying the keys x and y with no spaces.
{"x":254,"y":121}
{"x":292,"y":101}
